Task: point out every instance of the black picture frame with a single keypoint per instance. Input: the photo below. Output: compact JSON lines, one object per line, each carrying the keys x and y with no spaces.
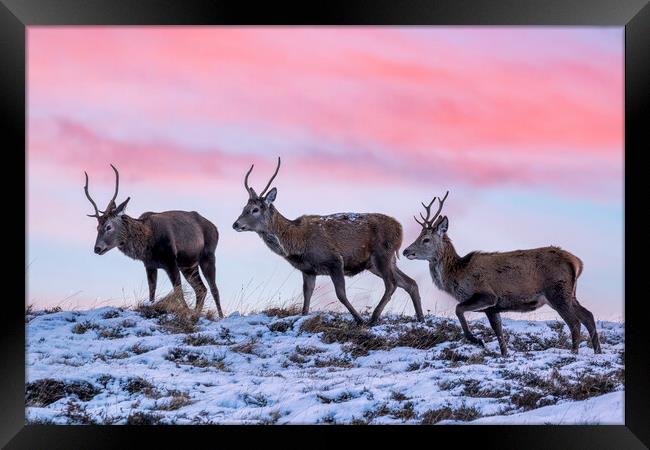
{"x":16,"y":15}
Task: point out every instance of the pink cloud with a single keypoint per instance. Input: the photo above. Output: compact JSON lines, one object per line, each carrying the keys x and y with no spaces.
{"x":76,"y":148}
{"x":377,"y":87}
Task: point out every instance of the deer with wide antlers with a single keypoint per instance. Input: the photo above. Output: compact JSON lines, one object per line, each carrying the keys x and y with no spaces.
{"x":175,"y":241}
{"x":336,"y":246}
{"x":521,"y":280}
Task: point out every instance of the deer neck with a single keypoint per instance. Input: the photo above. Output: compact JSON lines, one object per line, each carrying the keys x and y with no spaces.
{"x":136,"y":237}
{"x":442,"y":266}
{"x":283,"y":235}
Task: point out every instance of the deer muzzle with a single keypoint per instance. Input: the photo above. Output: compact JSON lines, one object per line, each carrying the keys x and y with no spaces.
{"x":238,"y":227}
{"x":410,"y":254}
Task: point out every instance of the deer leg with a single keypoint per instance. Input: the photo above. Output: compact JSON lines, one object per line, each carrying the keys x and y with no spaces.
{"x":338,"y":278}
{"x":495,"y":323}
{"x":152,"y":278}
{"x":174,"y":275}
{"x":411,"y":287}
{"x":587,"y":318}
{"x":574,"y":326}
{"x":476,"y":302}
{"x":308,"y":284}
{"x":390,"y":285}
{"x":562,"y":302}
{"x":207,"y":264}
{"x":192,"y":276}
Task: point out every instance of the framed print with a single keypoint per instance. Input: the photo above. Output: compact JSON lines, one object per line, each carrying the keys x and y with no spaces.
{"x":246,"y":222}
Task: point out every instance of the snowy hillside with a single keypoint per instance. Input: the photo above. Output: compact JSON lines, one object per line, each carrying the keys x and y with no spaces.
{"x":143,"y":366}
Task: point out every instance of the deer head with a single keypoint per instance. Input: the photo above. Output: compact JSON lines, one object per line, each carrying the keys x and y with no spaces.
{"x":258,"y":211}
{"x":109,"y":221}
{"x":429,"y":243}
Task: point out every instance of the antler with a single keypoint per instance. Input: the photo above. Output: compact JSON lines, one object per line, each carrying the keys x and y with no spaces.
{"x":117,"y":187}
{"x":272,"y":178}
{"x":251,"y":192}
{"x":428,"y":209}
{"x":90,"y":199}
{"x":429,"y":222}
{"x":248,"y":189}
{"x":441,"y":201}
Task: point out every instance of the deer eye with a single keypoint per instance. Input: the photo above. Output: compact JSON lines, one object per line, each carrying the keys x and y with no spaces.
{"x":255,"y":210}
{"x":109,"y":228}
{"x":426,"y":240}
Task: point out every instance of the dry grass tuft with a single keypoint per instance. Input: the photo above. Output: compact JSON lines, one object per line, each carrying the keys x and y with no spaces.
{"x":463,"y":413}
{"x":46,"y":391}
{"x":245,"y":347}
{"x":454,"y":356}
{"x":111,"y":333}
{"x":82,"y":327}
{"x":345,"y":396}
{"x":111,"y":314}
{"x":281,"y":326}
{"x":138,"y":348}
{"x":282,"y":312}
{"x":77,"y":414}
{"x":404,"y":412}
{"x":179,"y":322}
{"x":557,"y":386}
{"x":360,"y":341}
{"x":151,"y":311}
{"x":183,"y":356}
{"x":197,"y":340}
{"x":139,"y":385}
{"x":421,"y":338}
{"x":308,"y":350}
{"x":177,"y":400}
{"x":143,"y":418}
{"x":527,"y":399}
{"x":398,"y":396}
{"x":333,"y":362}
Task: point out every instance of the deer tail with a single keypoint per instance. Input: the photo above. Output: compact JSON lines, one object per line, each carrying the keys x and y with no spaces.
{"x":577,"y":265}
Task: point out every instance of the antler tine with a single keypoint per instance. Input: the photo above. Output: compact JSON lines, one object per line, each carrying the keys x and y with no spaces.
{"x":428,"y":210}
{"x":272,"y":178}
{"x":420,"y":223}
{"x":248,"y":189}
{"x":117,"y":184}
{"x":440,"y":203}
{"x":90,"y":199}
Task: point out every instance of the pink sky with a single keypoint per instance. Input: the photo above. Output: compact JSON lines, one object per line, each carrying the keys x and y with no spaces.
{"x":182,"y":111}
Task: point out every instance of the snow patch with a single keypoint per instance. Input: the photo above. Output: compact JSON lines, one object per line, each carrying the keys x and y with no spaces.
{"x":265,"y":370}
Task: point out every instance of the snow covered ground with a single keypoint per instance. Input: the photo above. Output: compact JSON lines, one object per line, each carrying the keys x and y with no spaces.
{"x":117,"y":366}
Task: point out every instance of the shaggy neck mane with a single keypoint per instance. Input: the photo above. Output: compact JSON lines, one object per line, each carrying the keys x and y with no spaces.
{"x":289,"y":234}
{"x":445,"y":264}
{"x":135,"y":239}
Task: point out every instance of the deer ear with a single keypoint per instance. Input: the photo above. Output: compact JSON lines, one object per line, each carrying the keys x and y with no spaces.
{"x":270,"y":197}
{"x":443,"y":225}
{"x":120,"y":209}
{"x":110,"y":208}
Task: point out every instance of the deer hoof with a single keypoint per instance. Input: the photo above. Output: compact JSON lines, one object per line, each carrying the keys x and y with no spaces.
{"x":476,"y":341}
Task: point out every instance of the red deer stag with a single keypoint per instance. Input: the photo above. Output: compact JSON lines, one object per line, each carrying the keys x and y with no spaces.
{"x":175,"y":241}
{"x":335,"y":245}
{"x":521,"y":280}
